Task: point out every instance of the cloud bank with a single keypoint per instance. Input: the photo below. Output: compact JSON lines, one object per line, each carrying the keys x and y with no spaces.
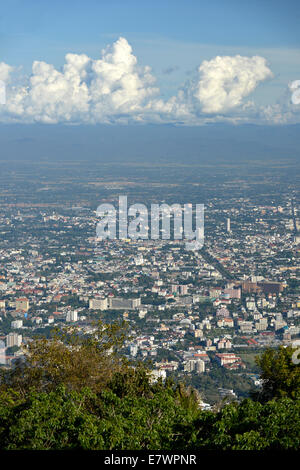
{"x":115,"y":89}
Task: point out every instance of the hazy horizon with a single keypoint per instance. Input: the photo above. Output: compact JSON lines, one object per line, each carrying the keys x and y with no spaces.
{"x":149,"y":143}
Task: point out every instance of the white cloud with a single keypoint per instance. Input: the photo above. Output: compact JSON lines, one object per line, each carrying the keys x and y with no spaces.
{"x":225,"y":81}
{"x":5,"y":71}
{"x":86,"y":90}
{"x":118,"y":85}
{"x":295,"y":90}
{"x":115,"y":88}
{"x":217,"y":90}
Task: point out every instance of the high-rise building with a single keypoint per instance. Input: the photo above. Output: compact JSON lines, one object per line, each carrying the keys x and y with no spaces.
{"x":183,"y":289}
{"x":228,"y":225}
{"x":13,"y":339}
{"x":196,"y":365}
{"x":2,"y":352}
{"x":72,"y":316}
{"x":174,"y":288}
{"x":200,"y":366}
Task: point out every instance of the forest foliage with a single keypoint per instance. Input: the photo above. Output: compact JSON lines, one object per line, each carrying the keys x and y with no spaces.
{"x":76,"y":392}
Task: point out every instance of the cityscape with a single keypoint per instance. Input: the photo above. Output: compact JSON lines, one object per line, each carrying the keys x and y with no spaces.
{"x":199,"y":315}
{"x":149,"y":231}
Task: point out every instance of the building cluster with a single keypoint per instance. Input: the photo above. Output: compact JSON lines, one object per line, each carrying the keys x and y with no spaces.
{"x":188,"y":312}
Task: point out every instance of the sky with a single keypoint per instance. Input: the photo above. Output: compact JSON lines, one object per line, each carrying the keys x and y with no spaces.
{"x":176,"y":62}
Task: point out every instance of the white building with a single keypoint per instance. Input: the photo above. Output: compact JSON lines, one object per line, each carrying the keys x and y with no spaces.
{"x":98,"y":304}
{"x":72,"y":316}
{"x":2,"y":352}
{"x":196,"y":365}
{"x":17,"y":324}
{"x":13,"y":339}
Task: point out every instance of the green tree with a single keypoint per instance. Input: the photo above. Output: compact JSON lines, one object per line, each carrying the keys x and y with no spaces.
{"x":54,"y":420}
{"x":249,"y":425}
{"x":68,"y":359}
{"x":279,"y":373}
{"x":74,"y":392}
{"x":132,"y":412}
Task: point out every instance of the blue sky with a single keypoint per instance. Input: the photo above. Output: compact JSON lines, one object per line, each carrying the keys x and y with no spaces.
{"x":39,"y":29}
{"x":172,"y":37}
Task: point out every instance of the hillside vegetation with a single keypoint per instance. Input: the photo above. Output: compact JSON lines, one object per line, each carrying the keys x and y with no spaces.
{"x":76,"y":392}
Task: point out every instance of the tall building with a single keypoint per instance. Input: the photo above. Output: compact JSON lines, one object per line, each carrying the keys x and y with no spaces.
{"x":2,"y":352}
{"x":196,"y":365}
{"x":183,"y":289}
{"x":228,"y":225}
{"x":72,"y":316}
{"x":200,"y":366}
{"x":13,"y":339}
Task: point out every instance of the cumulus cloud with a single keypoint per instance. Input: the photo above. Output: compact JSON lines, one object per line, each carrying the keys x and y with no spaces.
{"x":225,"y":81}
{"x":217,"y":91}
{"x":86,"y":90}
{"x":115,"y":88}
{"x":295,"y":90}
{"x":118,"y":85}
{"x":5,"y":71}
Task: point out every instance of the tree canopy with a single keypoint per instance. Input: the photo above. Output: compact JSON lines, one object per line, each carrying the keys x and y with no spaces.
{"x":76,"y":392}
{"x":279,"y":373}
